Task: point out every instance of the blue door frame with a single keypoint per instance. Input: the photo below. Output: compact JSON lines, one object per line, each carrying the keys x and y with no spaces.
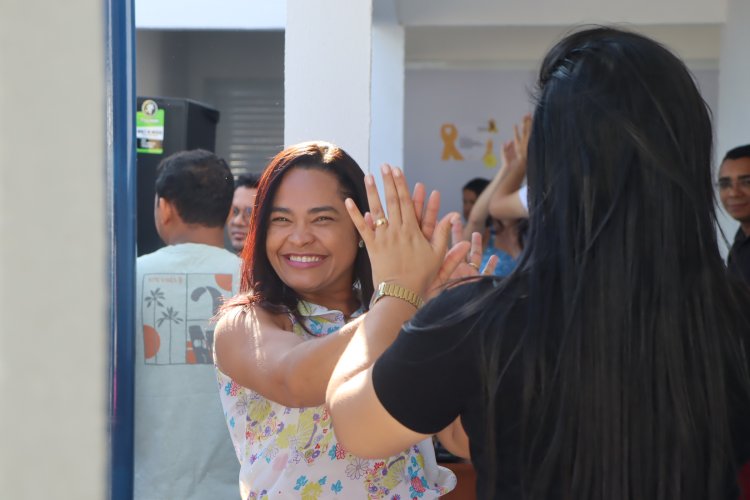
{"x":121,"y":217}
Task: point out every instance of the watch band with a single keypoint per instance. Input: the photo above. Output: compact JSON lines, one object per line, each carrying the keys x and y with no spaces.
{"x":399,"y":292}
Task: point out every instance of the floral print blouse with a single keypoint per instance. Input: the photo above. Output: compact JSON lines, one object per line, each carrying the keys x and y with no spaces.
{"x":292,"y":453}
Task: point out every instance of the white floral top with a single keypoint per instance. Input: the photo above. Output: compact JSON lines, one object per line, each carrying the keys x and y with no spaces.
{"x":292,"y":453}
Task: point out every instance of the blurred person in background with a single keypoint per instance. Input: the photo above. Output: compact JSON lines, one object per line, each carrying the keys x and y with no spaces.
{"x":181,"y":447}
{"x":734,"y":191}
{"x":238,"y":224}
{"x":503,"y":237}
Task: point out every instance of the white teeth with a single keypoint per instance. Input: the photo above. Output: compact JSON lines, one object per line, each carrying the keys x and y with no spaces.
{"x":304,"y":258}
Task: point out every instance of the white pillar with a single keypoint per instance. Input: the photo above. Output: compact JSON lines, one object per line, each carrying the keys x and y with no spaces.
{"x":327,"y":74}
{"x":734,"y":90}
{"x":387,"y":97}
{"x":344,"y":78}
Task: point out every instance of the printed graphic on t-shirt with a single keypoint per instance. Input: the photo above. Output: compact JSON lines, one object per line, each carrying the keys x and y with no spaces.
{"x":177,"y":309}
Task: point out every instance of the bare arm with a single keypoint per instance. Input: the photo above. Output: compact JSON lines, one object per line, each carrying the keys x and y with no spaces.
{"x":351,"y":399}
{"x":505,"y":202}
{"x":354,"y":404}
{"x":399,"y":254}
{"x":258,"y":351}
{"x":508,"y":206}
{"x":454,"y":439}
{"x":481,"y":209}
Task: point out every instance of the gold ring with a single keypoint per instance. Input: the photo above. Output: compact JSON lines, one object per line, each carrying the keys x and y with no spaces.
{"x":381,"y":222}
{"x":474,"y":266}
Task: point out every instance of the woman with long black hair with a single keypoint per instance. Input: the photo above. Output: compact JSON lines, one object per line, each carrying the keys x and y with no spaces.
{"x":613,"y":363}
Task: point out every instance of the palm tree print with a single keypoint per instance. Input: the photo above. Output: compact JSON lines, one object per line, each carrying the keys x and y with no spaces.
{"x":155,"y":299}
{"x":171,"y":316}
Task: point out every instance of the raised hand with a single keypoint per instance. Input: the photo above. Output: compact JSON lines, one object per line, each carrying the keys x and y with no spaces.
{"x":426,"y":215}
{"x":521,"y":138}
{"x":509,"y":153}
{"x":466,"y":262}
{"x":404,"y":248}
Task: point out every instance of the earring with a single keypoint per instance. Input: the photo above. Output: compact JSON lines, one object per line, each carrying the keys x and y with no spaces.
{"x":361,"y":244}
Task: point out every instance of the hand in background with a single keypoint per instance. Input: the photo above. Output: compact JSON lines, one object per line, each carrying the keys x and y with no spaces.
{"x":508,"y":154}
{"x":470,"y":266}
{"x":521,"y":140}
{"x":504,"y":201}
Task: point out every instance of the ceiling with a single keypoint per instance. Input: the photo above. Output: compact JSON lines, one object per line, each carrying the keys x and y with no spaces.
{"x":552,"y":12}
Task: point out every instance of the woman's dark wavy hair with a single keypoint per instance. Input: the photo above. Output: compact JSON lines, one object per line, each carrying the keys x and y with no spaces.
{"x":634,"y":346}
{"x":259,"y":282}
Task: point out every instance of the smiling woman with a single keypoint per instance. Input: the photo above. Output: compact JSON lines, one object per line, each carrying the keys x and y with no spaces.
{"x":311,"y":241}
{"x":306,"y":284}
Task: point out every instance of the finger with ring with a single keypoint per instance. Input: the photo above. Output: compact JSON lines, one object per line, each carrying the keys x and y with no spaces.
{"x":381,"y":222}
{"x":475,"y":266}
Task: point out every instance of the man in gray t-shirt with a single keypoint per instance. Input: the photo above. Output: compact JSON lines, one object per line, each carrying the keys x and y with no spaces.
{"x":182,"y":445}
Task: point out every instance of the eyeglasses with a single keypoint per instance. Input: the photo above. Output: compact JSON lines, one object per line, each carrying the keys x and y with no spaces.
{"x":742,"y":182}
{"x":245,"y":212}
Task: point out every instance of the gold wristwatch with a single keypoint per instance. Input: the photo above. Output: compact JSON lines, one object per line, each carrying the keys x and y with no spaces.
{"x":394,"y":290}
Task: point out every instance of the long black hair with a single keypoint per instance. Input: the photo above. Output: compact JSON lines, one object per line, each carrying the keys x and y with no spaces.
{"x":634,"y":346}
{"x":259,"y":282}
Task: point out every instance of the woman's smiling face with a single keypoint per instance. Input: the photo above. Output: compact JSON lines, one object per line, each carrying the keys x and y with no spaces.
{"x":311,"y":241}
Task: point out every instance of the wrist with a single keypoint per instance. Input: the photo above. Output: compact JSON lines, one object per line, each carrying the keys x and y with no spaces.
{"x":397,"y":291}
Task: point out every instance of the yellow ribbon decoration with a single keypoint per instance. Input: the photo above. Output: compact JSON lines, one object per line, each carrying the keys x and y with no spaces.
{"x":489,"y":159}
{"x":449,"y":134}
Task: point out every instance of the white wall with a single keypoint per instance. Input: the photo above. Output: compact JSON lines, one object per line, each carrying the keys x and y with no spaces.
{"x":206,"y":14}
{"x":469,"y":98}
{"x":734,"y":88}
{"x":149,"y":73}
{"x":161,"y":63}
{"x":233,"y":55}
{"x":179,"y":63}
{"x":53,"y":256}
{"x":467,"y":75}
{"x":734,"y":82}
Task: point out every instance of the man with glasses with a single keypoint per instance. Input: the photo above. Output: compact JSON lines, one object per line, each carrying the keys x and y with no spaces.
{"x":238,"y":223}
{"x":734,"y":191}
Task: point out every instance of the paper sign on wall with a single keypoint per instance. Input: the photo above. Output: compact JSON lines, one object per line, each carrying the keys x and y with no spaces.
{"x":477,"y":146}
